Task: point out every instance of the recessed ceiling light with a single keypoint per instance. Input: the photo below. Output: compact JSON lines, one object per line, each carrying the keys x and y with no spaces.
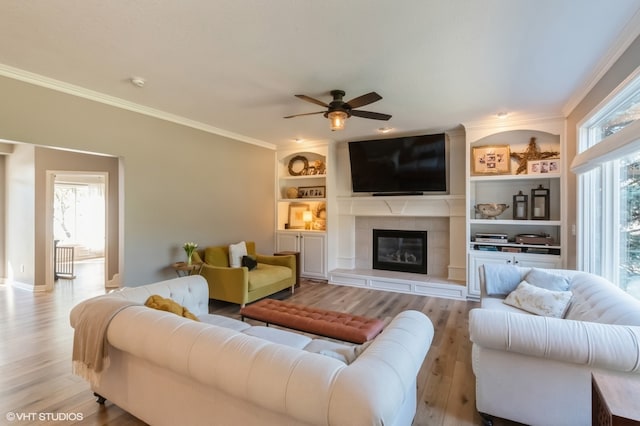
{"x":298,"y":140}
{"x":385,"y":129}
{"x":138,"y":81}
{"x":502,"y":114}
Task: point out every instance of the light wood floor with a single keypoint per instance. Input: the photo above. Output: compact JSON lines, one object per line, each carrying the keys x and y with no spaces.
{"x":36,"y":341}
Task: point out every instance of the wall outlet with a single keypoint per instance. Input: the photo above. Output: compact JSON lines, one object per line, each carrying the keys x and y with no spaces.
{"x":22,"y":268}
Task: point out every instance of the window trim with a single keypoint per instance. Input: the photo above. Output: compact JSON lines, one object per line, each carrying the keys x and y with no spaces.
{"x":618,"y":145}
{"x":598,"y":198}
{"x":621,"y":92}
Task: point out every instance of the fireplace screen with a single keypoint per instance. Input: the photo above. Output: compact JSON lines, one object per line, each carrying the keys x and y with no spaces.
{"x":396,"y":250}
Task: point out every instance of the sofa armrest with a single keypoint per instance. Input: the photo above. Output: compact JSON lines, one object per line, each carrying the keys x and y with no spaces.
{"x":383,"y":377}
{"x":614,"y":347}
{"x":289,"y":260}
{"x":232,"y":282}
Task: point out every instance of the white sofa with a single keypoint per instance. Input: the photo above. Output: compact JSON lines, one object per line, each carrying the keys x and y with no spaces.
{"x":169,"y":370}
{"x":537,"y":370}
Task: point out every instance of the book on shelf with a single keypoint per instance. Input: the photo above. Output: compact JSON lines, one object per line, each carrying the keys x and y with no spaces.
{"x":486,"y":248}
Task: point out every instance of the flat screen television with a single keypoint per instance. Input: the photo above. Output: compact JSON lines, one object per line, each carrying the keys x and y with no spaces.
{"x":405,"y":165}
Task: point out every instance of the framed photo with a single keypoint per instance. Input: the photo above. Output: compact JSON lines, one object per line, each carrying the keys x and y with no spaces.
{"x":296,"y":215}
{"x":538,"y":167}
{"x":311,"y":191}
{"x":492,"y":159}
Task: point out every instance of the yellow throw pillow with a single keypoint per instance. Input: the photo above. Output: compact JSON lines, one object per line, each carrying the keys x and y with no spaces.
{"x":163,"y":304}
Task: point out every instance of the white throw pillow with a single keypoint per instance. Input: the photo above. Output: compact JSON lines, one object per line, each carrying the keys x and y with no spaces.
{"x":236,"y":251}
{"x":547,"y":280}
{"x":539,"y":301}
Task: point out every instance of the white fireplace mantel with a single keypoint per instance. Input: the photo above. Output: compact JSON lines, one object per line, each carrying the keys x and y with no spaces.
{"x":425,"y":206}
{"x":416,"y":206}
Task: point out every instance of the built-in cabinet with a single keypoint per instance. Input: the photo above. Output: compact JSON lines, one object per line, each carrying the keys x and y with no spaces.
{"x":531,"y":235}
{"x":301,"y":216}
{"x":312,"y":248}
{"x":521,"y":259}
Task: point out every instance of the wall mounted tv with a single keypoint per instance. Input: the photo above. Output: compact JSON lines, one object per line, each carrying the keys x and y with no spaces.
{"x":407,"y":165}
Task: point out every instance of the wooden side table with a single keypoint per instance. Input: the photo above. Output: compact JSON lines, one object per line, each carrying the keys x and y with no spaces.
{"x":614,"y":399}
{"x":183,"y":269}
{"x":297,"y":255}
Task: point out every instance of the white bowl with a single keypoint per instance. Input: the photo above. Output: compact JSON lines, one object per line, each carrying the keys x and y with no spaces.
{"x":491,"y":210}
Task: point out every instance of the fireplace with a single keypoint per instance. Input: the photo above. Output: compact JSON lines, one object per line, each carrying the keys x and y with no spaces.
{"x":400,"y":250}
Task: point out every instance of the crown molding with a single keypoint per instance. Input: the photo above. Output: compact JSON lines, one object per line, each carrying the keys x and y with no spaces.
{"x":81,"y":92}
{"x":628,"y":34}
{"x":514,"y":122}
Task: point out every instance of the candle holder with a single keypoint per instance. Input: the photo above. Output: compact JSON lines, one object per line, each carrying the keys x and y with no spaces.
{"x":520,"y":206}
{"x":540,"y":203}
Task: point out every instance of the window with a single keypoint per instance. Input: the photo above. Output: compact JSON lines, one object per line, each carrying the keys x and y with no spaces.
{"x":629,"y":207}
{"x":618,"y":116}
{"x":608,"y":168}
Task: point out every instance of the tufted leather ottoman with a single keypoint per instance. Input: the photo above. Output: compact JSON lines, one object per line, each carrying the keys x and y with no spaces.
{"x":337,"y":325}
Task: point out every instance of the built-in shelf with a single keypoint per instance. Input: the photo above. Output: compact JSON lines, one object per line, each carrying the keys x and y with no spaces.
{"x":502,"y":188}
{"x":296,"y":171}
{"x":302,"y":177}
{"x":503,"y":178}
{"x":482,"y":243}
{"x":515,"y":222}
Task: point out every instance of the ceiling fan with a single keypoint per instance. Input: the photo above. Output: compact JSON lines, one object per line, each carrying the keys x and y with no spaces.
{"x":338,"y":110}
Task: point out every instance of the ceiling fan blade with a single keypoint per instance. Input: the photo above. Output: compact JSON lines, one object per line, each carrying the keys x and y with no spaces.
{"x":313,"y":101}
{"x":363,"y":100}
{"x":369,"y":114}
{"x":308,"y":113}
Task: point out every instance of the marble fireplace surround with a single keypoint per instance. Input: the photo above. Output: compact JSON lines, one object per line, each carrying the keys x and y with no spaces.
{"x":442,"y":216}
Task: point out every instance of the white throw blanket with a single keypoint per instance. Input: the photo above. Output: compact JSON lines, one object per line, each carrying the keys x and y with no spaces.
{"x":90,"y":355}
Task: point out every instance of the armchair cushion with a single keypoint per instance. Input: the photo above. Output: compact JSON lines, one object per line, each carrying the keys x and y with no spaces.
{"x":266,"y":274}
{"x":217,"y":256}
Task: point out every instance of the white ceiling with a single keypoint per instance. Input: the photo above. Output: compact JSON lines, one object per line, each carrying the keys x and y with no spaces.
{"x":234,"y":65}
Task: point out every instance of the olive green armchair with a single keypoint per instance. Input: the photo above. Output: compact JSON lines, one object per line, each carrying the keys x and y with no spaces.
{"x":240,"y":285}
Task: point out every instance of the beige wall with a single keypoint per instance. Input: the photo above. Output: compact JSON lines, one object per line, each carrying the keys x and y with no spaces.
{"x":3,"y":210}
{"x":623,"y":67}
{"x":180,"y":184}
{"x":20,"y":214}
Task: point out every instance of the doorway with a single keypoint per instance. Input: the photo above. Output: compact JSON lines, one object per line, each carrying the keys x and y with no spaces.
{"x":78,"y":219}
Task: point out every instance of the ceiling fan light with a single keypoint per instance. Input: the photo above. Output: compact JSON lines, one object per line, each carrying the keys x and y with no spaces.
{"x":337,"y":119}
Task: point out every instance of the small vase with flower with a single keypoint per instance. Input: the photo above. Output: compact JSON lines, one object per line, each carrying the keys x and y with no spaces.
{"x":189,"y":248}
